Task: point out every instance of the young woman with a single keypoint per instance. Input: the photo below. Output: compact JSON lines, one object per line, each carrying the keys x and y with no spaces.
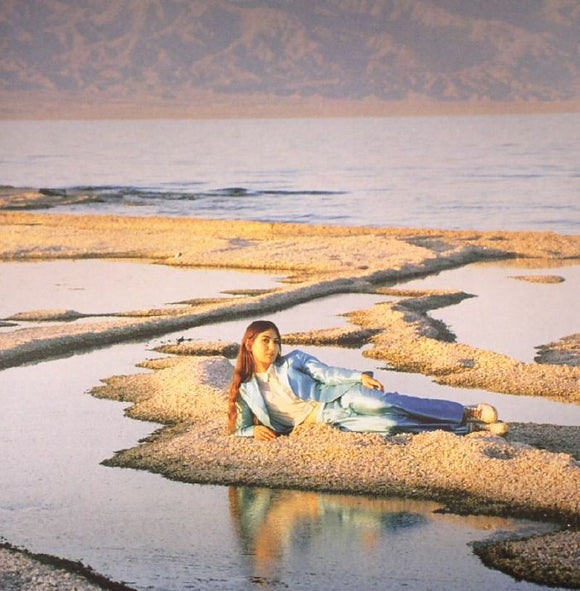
{"x":270,"y":394}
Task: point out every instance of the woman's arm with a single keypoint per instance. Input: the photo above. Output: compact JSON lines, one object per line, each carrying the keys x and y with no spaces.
{"x":248,"y":426}
{"x":244,"y":419}
{"x":326,"y":374}
{"x":333,"y":376}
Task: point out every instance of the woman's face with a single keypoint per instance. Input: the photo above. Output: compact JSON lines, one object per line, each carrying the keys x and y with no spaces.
{"x":265,"y":349}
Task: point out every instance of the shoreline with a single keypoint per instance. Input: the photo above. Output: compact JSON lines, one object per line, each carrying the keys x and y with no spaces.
{"x":22,"y":569}
{"x":208,"y":105}
{"x":347,"y":260}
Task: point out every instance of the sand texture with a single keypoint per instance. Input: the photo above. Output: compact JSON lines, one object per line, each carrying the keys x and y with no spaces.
{"x":566,"y":351}
{"x":23,"y":571}
{"x":551,"y":560}
{"x":533,"y":472}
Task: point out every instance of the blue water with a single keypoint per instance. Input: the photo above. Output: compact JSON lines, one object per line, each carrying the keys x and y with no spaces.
{"x":503,"y":172}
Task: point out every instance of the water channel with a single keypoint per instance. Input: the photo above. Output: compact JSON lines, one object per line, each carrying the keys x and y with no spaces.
{"x":157,"y":534}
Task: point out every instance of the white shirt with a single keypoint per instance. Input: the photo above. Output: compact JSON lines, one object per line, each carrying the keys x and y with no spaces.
{"x":284,"y":407}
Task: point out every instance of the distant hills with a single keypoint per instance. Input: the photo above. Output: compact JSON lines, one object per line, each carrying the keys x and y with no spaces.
{"x":87,"y":56}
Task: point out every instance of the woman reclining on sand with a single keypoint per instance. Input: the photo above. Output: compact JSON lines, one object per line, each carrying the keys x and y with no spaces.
{"x":270,"y":394}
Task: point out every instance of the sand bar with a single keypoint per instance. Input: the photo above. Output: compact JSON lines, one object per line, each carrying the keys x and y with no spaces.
{"x":320,"y":260}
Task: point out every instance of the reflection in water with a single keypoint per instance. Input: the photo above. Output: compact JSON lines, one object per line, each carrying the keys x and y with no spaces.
{"x":274,"y":525}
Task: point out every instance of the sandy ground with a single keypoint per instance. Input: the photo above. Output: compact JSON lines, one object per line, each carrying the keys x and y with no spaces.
{"x":532,"y":472}
{"x":23,"y":571}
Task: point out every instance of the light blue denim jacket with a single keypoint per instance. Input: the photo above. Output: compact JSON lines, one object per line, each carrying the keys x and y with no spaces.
{"x":309,"y":378}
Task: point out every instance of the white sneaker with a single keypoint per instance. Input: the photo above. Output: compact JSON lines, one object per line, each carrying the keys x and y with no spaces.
{"x":482,"y":413}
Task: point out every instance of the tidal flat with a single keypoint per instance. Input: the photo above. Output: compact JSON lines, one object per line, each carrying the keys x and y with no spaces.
{"x":533,"y":472}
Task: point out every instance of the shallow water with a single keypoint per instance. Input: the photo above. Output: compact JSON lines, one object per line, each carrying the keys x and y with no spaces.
{"x":508,"y":315}
{"x":102,"y":287}
{"x":509,"y":172}
{"x":157,"y":534}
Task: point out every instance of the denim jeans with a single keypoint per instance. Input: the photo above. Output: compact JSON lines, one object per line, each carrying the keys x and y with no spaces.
{"x":366,"y":410}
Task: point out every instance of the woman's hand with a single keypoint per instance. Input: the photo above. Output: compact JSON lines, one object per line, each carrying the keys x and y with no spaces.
{"x":263,"y":433}
{"x":370,"y":382}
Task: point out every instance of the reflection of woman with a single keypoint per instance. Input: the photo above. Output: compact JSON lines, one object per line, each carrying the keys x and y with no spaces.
{"x":266,"y":521}
{"x":271,"y":394}
{"x":271,"y":524}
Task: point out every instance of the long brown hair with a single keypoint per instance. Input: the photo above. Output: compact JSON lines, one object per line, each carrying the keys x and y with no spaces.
{"x":245,"y":365}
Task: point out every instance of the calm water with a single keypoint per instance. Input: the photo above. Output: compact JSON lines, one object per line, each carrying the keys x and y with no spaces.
{"x":487,"y":172}
{"x":508,"y":315}
{"x":98,"y":287}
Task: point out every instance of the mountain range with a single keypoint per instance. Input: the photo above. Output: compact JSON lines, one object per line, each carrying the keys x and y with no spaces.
{"x":199,"y":54}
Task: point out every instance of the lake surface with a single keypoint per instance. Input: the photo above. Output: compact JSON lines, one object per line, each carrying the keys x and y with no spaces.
{"x":503,"y":172}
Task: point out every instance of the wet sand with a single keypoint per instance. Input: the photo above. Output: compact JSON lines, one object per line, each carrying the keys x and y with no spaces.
{"x":22,"y":570}
{"x":186,"y":391}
